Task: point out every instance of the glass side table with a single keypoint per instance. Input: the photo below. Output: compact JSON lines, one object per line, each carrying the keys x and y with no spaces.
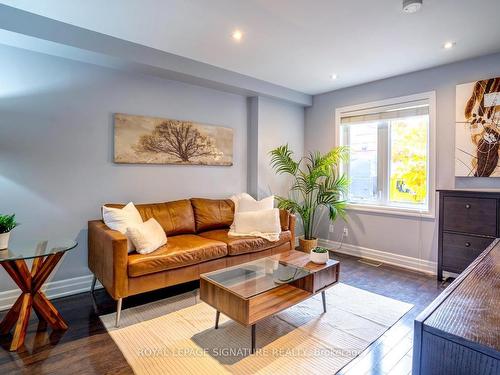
{"x":45,"y":255}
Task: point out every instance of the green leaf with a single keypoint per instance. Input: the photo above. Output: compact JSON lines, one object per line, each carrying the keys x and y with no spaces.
{"x":7,"y":223}
{"x":282,"y":160}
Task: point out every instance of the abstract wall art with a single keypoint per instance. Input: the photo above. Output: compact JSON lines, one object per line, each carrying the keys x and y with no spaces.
{"x":477,"y":135}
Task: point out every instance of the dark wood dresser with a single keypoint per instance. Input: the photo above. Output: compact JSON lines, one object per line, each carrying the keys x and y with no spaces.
{"x":469,"y":220}
{"x":459,"y":333}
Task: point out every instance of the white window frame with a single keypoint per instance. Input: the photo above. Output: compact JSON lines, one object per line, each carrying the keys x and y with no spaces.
{"x":430,"y":96}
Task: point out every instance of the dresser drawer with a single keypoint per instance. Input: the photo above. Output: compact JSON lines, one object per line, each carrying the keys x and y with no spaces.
{"x":459,"y":250}
{"x":470,"y":215}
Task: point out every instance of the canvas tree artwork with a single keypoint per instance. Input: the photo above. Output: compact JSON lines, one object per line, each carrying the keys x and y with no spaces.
{"x":152,"y":140}
{"x":477,"y":136}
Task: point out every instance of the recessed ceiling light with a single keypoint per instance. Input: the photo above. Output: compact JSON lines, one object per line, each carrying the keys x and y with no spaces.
{"x":449,"y":45}
{"x":237,"y":35}
{"x":412,"y":6}
{"x":333,"y":76}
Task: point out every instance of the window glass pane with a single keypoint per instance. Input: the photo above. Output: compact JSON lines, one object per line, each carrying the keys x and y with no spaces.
{"x":408,"y":161}
{"x":362,"y":165}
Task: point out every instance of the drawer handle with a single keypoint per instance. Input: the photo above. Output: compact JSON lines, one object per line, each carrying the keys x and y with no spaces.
{"x":467,"y":244}
{"x":467,"y":206}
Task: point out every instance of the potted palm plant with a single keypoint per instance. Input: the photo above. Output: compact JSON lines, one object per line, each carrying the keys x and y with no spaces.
{"x":7,"y":223}
{"x":316,"y":183}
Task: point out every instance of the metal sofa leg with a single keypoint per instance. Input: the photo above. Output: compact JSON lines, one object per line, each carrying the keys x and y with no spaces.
{"x":118,"y":312}
{"x":92,"y":288}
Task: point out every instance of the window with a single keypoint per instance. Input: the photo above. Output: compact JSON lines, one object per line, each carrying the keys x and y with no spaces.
{"x":390,"y":162}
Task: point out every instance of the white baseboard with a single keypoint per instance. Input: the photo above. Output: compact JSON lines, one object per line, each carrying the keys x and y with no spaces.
{"x":415,"y":264}
{"x":403,"y":261}
{"x":52,"y":289}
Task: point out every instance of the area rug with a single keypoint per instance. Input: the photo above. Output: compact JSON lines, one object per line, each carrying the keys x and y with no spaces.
{"x":177,"y":336}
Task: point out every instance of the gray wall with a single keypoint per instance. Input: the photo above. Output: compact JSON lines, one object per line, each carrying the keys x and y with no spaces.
{"x":412,"y":237}
{"x":56,"y":143}
{"x":273,"y":123}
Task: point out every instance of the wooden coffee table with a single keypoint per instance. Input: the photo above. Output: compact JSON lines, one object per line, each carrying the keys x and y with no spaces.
{"x":256,"y":290}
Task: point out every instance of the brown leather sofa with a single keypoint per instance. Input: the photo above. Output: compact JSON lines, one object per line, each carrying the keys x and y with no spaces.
{"x":197,"y":242}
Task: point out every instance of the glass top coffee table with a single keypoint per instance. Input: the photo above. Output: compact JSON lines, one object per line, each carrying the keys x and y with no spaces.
{"x":255,"y":290}
{"x":45,"y":255}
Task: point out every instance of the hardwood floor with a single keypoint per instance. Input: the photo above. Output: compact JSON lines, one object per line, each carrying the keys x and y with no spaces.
{"x":86,"y":348}
{"x":392,"y":352}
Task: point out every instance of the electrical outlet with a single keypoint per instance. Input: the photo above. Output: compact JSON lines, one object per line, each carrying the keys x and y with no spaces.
{"x":346,"y":232}
{"x":330,"y":229}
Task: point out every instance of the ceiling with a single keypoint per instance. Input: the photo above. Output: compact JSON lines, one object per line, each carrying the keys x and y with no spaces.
{"x":297,"y":44}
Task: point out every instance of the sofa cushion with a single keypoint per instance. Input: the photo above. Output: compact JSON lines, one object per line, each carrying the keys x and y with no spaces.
{"x":175,"y":217}
{"x":180,"y":251}
{"x":243,"y":245}
{"x":212,"y":213}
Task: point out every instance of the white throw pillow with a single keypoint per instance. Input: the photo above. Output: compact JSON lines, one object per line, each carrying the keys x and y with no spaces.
{"x":121,"y":218}
{"x":236,"y":199}
{"x":263,"y":221}
{"x":147,"y":237}
{"x":247,"y":203}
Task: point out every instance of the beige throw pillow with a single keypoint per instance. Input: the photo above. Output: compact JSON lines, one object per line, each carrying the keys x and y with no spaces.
{"x":263,"y":221}
{"x":121,"y":218}
{"x":147,"y":237}
{"x":236,"y":199}
{"x":247,"y":203}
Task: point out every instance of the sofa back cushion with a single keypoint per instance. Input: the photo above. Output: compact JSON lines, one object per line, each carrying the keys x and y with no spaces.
{"x":212,"y":213}
{"x":175,"y":217}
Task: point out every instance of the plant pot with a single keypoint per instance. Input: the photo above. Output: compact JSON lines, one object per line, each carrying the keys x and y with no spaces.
{"x":318,"y":258}
{"x":307,"y":245}
{"x":4,"y":240}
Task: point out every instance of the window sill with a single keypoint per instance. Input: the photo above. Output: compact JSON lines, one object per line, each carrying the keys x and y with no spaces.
{"x":395,"y":211}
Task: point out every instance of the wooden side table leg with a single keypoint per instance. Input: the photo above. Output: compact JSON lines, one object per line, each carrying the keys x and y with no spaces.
{"x":45,"y":270}
{"x":30,"y":283}
{"x":44,"y":308}
{"x":35,"y":266}
{"x":48,"y":312}
{"x":15,"y":273}
{"x":22,"y":322}
{"x":12,"y":315}
{"x":19,"y":313}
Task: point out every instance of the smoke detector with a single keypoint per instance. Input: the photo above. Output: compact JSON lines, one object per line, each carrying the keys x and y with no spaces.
{"x":412,"y":6}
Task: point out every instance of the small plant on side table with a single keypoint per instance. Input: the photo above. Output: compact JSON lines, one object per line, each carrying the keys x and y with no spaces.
{"x":319,"y":255}
{"x":7,"y":223}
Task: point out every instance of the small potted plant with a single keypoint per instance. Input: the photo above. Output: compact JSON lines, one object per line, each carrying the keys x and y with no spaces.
{"x":7,"y":223}
{"x":319,"y":255}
